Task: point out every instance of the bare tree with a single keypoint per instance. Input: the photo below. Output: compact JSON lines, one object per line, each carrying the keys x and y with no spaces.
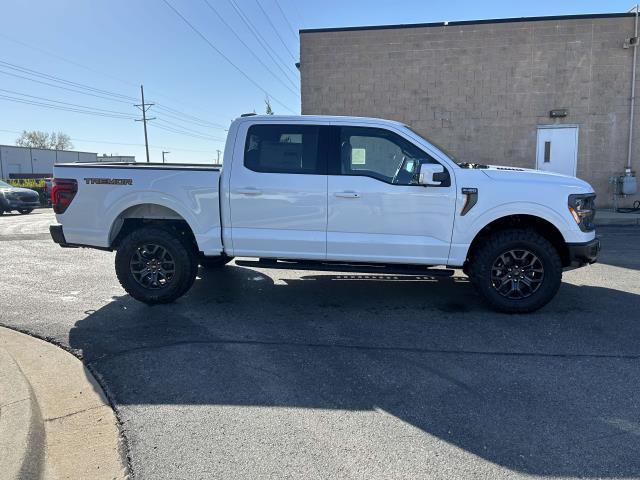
{"x":61,"y":142}
{"x":49,"y":141}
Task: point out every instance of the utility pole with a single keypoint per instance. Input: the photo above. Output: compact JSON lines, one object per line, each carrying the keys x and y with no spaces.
{"x":144,"y":107}
{"x":163,"y":152}
{"x":219,"y":152}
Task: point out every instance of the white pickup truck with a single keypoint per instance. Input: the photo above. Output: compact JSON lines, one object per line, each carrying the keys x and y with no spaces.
{"x":335,"y":194}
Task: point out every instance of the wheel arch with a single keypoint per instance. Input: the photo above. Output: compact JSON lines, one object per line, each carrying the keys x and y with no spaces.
{"x":149,"y":214}
{"x":536,"y":223}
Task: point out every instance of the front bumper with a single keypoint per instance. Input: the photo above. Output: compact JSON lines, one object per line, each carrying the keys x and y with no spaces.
{"x":16,"y":204}
{"x":584,"y":253}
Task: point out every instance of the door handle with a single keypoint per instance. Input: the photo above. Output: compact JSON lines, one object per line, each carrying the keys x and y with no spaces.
{"x":249,"y":191}
{"x":347,"y":194}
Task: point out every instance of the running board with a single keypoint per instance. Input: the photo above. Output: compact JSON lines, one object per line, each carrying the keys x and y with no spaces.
{"x":388,"y":269}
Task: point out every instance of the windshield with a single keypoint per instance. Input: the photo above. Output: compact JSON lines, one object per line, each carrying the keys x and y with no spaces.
{"x":4,"y":185}
{"x":443,"y":150}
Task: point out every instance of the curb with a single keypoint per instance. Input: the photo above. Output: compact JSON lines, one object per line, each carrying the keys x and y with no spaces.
{"x":21,"y":428}
{"x":72,"y":424}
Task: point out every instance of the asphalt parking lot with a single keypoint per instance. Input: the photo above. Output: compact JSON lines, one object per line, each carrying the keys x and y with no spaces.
{"x":285,"y":374}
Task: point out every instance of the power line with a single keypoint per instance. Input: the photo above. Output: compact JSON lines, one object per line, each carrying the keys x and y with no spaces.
{"x":112,"y":96}
{"x":75,"y":139}
{"x":182,"y":117}
{"x":186,"y":129}
{"x":59,"y":57}
{"x":76,"y":108}
{"x":63,"y":103}
{"x":63,"y":81}
{"x":64,"y":88}
{"x":258,"y":36}
{"x":85,"y":110}
{"x":295,"y":34}
{"x":186,"y":134}
{"x":252,"y":52}
{"x":189,"y":118}
{"x":179,"y":115}
{"x":276,"y":30}
{"x":242,"y":72}
{"x":80,"y":65}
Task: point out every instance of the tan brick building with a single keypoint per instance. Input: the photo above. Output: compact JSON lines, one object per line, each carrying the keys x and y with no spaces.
{"x":485,"y":90}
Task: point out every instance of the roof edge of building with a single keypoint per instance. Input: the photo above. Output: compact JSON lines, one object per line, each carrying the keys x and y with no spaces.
{"x":468,"y":22}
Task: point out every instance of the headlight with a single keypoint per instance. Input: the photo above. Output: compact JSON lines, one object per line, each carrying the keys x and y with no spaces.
{"x":582,"y":208}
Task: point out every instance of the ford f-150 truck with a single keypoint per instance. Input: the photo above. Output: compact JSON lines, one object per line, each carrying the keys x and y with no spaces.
{"x":335,"y":194}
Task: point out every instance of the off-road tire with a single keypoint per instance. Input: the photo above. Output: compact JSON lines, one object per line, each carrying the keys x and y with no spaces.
{"x":484,"y":256}
{"x":180,"y":250}
{"x":214,"y":262}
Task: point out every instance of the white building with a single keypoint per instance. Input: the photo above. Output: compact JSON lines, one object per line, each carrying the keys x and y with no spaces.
{"x":16,"y":162}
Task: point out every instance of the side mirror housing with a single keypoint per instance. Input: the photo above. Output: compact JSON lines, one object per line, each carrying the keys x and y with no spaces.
{"x":431,"y":174}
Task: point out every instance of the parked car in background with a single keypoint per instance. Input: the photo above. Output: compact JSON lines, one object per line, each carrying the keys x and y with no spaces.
{"x":22,"y":200}
{"x":47,"y":192}
{"x":330,"y":193}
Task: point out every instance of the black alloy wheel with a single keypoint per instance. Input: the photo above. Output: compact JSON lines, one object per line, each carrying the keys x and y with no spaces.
{"x":152,"y":266}
{"x":517,"y":273}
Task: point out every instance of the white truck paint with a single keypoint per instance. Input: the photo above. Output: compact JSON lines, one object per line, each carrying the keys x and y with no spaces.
{"x":344,"y":210}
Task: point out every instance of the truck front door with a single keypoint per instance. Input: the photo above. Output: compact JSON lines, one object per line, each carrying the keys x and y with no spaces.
{"x":377,"y":211}
{"x":278,"y":192}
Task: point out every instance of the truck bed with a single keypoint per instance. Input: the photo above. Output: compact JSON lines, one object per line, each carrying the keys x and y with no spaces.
{"x":109,"y":193}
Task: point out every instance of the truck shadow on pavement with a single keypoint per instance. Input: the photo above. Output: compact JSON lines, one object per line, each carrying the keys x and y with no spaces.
{"x":551,"y":393}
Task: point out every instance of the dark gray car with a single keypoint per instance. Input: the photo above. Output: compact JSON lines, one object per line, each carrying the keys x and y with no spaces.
{"x":22,"y":200}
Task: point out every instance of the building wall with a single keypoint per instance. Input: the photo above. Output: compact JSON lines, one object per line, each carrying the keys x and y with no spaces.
{"x":481,"y":90}
{"x":36,"y":161}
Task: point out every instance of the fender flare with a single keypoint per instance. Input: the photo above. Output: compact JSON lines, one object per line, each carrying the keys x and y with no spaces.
{"x":463,"y":237}
{"x":148,"y":198}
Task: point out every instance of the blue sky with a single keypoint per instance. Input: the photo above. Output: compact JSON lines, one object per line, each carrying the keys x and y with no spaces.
{"x":113,"y":46}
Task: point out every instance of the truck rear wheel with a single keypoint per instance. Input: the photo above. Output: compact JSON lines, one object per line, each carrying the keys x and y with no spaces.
{"x":155,"y":266}
{"x":516,"y":271}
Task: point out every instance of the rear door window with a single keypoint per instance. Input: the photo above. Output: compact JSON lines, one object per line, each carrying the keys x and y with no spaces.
{"x":283,"y":149}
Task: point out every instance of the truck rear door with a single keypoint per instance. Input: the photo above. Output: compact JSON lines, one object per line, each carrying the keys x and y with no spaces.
{"x":278,"y":192}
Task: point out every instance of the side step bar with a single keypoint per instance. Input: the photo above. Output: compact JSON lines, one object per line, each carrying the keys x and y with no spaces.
{"x":388,"y":269}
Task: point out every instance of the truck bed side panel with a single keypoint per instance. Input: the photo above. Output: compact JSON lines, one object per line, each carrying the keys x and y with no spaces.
{"x":189,"y":193}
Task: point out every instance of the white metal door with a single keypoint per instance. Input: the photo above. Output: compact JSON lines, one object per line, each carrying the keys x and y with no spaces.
{"x":557,"y":149}
{"x":278,"y":194}
{"x":375,"y":212}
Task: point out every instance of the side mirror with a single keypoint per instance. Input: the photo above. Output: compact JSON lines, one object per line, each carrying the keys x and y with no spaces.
{"x":431,"y":174}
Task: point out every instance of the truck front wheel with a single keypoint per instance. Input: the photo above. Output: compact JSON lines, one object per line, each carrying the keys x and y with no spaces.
{"x":155,"y":265}
{"x":516,"y":271}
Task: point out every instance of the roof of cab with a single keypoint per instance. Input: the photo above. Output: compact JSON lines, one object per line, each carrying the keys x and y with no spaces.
{"x":317,"y":119}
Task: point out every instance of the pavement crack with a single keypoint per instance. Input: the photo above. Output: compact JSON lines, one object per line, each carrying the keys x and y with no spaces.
{"x":73,"y":413}
{"x":4,"y":405}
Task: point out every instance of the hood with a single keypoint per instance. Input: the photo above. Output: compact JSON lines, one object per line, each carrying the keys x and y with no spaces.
{"x":530,"y":176}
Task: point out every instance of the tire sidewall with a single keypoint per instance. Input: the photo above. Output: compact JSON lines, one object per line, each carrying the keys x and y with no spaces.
{"x":513,"y":240}
{"x":183,"y":258}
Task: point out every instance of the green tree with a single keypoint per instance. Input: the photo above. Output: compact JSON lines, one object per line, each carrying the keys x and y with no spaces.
{"x":268,"y":110}
{"x":49,"y":141}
